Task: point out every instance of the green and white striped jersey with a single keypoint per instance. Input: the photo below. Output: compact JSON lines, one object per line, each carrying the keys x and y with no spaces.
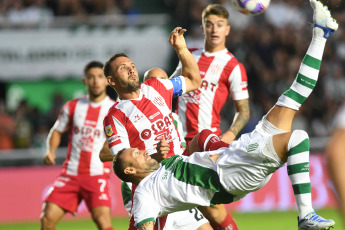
{"x":180,"y":183}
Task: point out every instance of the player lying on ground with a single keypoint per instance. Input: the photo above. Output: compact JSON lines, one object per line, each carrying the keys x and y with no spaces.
{"x":228,"y":174}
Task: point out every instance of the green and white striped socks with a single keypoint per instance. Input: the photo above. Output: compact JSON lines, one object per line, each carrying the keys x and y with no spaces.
{"x":298,"y":170}
{"x":307,"y":75}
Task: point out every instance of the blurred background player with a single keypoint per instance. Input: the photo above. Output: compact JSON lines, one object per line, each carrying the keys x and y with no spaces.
{"x":84,"y":176}
{"x":142,"y":115}
{"x":222,"y":75}
{"x":335,"y":153}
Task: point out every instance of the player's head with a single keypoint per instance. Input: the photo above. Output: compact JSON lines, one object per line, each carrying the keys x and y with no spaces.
{"x":155,"y":73}
{"x":215,"y":27}
{"x":94,"y":79}
{"x":133,"y":163}
{"x":121,"y":73}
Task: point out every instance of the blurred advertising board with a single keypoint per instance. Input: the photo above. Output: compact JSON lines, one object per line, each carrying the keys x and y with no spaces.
{"x":40,"y":94}
{"x":23,"y":189}
{"x":63,"y":52}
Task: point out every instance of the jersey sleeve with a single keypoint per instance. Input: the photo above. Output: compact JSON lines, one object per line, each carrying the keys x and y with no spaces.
{"x":64,"y":118}
{"x":339,"y":121}
{"x":238,"y":83}
{"x":116,"y":134}
{"x":144,"y":207}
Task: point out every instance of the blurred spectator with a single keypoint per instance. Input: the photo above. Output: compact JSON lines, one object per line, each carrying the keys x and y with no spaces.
{"x":7,"y":128}
{"x":24,"y":129}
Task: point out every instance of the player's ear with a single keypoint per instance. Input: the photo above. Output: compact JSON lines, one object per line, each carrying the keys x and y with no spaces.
{"x":110,"y":80}
{"x":228,"y":27}
{"x":130,"y":170}
{"x":84,"y":81}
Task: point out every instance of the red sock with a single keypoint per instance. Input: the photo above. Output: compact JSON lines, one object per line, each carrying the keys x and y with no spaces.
{"x":110,"y":228}
{"x":207,"y":141}
{"x":228,"y":223}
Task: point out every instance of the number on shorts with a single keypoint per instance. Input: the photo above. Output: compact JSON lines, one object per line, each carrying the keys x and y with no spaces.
{"x":198,"y":216}
{"x":103,"y":183}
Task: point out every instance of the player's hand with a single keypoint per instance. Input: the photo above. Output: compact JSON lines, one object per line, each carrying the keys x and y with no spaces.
{"x":227,"y":137}
{"x":177,"y":40}
{"x":163,"y":149}
{"x":49,"y":159}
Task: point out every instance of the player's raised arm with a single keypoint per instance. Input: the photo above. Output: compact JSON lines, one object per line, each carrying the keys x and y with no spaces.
{"x":190,"y":69}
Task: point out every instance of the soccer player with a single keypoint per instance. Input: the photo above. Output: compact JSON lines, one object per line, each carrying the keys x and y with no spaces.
{"x":222,"y":75}
{"x":229,"y":173}
{"x":142,"y":117}
{"x":84,"y":176}
{"x":188,"y":220}
{"x":335,"y":153}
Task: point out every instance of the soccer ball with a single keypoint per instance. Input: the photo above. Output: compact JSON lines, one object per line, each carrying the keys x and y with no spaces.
{"x":251,"y":7}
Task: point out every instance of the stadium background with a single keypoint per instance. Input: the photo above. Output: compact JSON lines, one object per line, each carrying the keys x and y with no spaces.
{"x":44,"y":45}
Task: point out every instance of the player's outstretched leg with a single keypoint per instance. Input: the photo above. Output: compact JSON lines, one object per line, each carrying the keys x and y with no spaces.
{"x":289,"y":102}
{"x":298,"y":171}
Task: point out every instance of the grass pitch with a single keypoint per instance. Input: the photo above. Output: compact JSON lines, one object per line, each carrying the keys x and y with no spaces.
{"x":245,"y":221}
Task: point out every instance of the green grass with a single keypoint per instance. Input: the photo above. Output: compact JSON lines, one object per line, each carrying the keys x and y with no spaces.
{"x":246,"y":221}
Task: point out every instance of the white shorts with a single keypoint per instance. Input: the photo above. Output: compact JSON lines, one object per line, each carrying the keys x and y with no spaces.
{"x":185,"y":220}
{"x":248,"y":163}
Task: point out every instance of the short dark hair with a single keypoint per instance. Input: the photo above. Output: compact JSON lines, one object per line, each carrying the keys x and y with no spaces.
{"x":92,"y":64}
{"x":215,"y":9}
{"x":107,"y":68}
{"x":119,"y":166}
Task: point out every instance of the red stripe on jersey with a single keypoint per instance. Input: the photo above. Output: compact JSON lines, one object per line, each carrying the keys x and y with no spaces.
{"x":92,"y":116}
{"x":192,"y":110}
{"x":71,"y":108}
{"x":244,"y":76}
{"x":161,"y":89}
{"x":91,"y":119}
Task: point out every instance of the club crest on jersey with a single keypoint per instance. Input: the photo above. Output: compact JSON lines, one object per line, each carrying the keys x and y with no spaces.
{"x":108,"y":130}
{"x":252,"y":147}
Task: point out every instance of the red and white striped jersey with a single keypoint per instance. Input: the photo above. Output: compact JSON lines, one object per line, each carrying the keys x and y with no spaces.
{"x":221,"y":75}
{"x":84,"y":119}
{"x":141,"y":123}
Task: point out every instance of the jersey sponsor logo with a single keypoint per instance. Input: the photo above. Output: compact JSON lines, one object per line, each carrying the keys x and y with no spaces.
{"x":171,"y":166}
{"x":87,"y":131}
{"x":90,"y":123}
{"x":252,"y":147}
{"x":145,"y":134}
{"x":154,"y":115}
{"x":192,"y":97}
{"x":108,"y":130}
{"x":208,"y":85}
{"x":160,"y":128}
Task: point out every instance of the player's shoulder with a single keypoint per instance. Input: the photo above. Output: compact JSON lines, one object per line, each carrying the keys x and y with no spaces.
{"x":155,"y":83}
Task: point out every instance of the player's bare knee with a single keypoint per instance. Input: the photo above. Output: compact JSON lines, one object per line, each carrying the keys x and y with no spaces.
{"x":216,"y":213}
{"x":280,"y":144}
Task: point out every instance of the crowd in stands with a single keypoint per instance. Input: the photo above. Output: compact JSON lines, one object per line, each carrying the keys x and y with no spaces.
{"x":271,"y":47}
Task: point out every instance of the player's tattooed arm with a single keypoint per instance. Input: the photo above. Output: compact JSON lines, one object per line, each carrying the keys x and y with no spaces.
{"x":146,"y":226}
{"x":240,"y":120}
